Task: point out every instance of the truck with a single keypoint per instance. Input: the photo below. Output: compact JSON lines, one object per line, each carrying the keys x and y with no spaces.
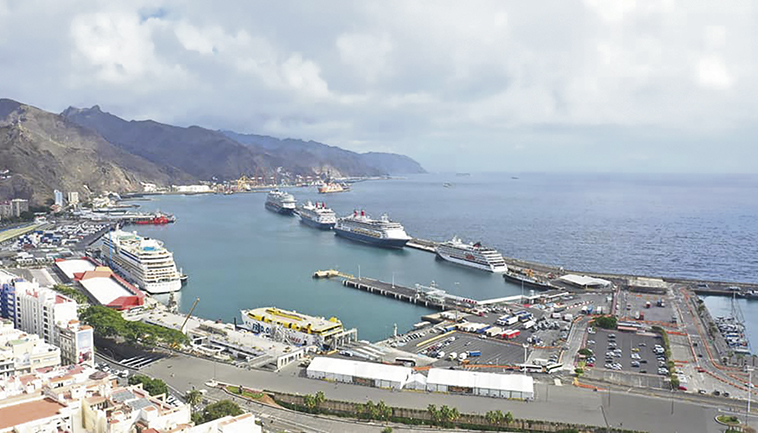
{"x":511,"y":333}
{"x":530,"y":324}
{"x":568,"y":317}
{"x":540,"y":361}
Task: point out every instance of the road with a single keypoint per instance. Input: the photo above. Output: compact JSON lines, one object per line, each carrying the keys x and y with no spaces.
{"x":554,"y":403}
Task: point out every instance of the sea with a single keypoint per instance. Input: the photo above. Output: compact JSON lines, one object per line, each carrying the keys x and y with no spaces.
{"x":238,"y":255}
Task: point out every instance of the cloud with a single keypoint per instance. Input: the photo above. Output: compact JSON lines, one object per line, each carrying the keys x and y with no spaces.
{"x":478,"y":85}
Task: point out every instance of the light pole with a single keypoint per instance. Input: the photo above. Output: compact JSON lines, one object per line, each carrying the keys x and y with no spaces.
{"x":526,"y":346}
{"x":359,"y":272}
{"x":393,"y":279}
{"x":749,"y":391}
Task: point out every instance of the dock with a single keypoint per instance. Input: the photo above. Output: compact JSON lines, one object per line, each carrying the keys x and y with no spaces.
{"x":422,"y":244}
{"x":429,"y":297}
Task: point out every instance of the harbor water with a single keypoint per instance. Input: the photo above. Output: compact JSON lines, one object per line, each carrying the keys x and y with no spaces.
{"x":238,"y":255}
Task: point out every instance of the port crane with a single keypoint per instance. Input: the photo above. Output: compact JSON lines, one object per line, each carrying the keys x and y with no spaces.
{"x":186,"y":319}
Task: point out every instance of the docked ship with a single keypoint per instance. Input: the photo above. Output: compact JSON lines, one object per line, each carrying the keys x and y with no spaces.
{"x":526,"y":280}
{"x":382,"y":232}
{"x":280,"y":202}
{"x":317,"y":215}
{"x":473,"y":255}
{"x":297,"y":328}
{"x":157,"y":219}
{"x":142,"y":261}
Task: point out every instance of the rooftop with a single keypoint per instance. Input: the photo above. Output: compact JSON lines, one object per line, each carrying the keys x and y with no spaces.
{"x":369,"y":370}
{"x":74,"y":266}
{"x":22,"y":413}
{"x":475,"y":379}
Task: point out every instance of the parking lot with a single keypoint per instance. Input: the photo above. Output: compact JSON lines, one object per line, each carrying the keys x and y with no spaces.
{"x":632,"y":303}
{"x":633,"y":352}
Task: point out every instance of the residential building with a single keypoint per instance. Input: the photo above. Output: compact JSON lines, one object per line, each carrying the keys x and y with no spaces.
{"x":39,"y":310}
{"x":6,"y":210}
{"x":77,"y":343}
{"x":22,"y":353}
{"x":7,"y":295}
{"x":58,"y":197}
{"x":18,"y":206}
{"x":72,"y":198}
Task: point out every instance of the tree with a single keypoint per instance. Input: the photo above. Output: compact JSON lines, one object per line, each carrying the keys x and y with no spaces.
{"x":383,"y":411}
{"x":433,"y":413}
{"x":320,"y":398}
{"x":193,"y":398}
{"x":387,"y":430}
{"x":606,"y":322}
{"x":218,"y":410}
{"x":508,"y":417}
{"x":310,"y":402}
{"x":152,"y":386}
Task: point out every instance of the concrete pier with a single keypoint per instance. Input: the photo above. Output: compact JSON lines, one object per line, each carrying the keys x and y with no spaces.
{"x":402,"y":293}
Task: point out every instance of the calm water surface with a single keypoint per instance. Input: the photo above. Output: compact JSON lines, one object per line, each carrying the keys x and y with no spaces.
{"x":238,"y":255}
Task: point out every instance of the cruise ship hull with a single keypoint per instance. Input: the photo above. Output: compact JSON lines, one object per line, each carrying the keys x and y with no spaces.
{"x":379,"y":242}
{"x":279,"y":209}
{"x":151,"y":288}
{"x":496,"y":270}
{"x":315,"y":224}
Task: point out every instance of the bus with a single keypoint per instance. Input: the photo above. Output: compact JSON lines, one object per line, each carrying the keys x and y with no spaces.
{"x":407,"y":362}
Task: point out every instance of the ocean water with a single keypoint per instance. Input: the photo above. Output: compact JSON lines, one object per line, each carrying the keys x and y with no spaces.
{"x":238,"y":255}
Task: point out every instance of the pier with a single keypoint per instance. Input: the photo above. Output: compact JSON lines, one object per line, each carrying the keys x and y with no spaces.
{"x":426,"y":296}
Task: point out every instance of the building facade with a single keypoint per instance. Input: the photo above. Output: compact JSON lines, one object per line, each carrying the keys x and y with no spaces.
{"x":77,"y":343}
{"x":72,"y":198}
{"x":58,"y":195}
{"x":39,"y":310}
{"x":22,"y":353}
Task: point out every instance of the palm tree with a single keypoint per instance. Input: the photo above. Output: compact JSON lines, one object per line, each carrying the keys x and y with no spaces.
{"x":193,"y":397}
{"x":384,"y":412}
{"x":433,"y":413}
{"x":320,"y":398}
{"x":508,"y":418}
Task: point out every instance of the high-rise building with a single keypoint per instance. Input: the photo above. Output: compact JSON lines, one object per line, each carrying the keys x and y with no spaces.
{"x":58,"y":197}
{"x":19,"y":205}
{"x":39,"y":310}
{"x":72,"y":198}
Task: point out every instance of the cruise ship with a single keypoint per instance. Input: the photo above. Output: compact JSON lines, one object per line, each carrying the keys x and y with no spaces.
{"x":317,"y":215}
{"x":382,"y":232}
{"x":280,"y":202}
{"x":474,"y":255}
{"x":296,"y":328}
{"x":142,"y":261}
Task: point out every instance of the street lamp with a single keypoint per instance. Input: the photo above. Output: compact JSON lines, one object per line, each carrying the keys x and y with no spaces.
{"x":526,"y":346}
{"x":749,"y":391}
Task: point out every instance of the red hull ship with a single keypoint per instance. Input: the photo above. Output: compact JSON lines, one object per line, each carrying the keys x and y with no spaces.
{"x":157,"y":220}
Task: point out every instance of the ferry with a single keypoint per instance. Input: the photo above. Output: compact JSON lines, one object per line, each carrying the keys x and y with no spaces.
{"x":280,"y":202}
{"x":382,"y":232}
{"x":142,"y":261}
{"x":473,"y":255}
{"x":317,"y":215}
{"x":295,"y":328}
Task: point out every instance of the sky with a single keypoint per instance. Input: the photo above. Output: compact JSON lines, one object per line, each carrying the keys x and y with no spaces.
{"x":564,"y":86}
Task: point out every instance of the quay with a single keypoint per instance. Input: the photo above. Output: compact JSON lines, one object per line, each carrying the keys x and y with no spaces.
{"x":550,"y":274}
{"x":430,"y":297}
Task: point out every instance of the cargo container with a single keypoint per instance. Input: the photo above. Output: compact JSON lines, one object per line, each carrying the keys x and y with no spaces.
{"x":474,"y":353}
{"x":511,"y":333}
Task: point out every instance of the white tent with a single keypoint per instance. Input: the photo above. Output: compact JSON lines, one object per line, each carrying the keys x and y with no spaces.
{"x":359,"y":372}
{"x":515,"y":386}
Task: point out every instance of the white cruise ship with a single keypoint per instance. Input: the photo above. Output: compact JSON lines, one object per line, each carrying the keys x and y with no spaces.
{"x":474,"y":255}
{"x":142,"y":261}
{"x":280,"y":202}
{"x":382,"y":232}
{"x":317,"y":215}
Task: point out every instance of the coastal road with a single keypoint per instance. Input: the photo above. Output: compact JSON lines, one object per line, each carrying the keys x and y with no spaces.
{"x":554,"y":403}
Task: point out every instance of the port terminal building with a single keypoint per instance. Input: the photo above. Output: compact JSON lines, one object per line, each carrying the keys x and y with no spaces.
{"x":510,"y":386}
{"x":101,"y":283}
{"x":585,"y":281}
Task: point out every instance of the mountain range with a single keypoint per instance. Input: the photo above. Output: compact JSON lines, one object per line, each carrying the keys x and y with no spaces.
{"x":90,"y":151}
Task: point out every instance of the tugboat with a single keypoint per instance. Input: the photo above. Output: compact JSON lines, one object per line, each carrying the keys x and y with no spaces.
{"x":157,"y":219}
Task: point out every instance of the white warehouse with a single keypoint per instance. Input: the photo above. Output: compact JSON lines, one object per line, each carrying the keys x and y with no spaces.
{"x":361,"y":373}
{"x":513,"y":386}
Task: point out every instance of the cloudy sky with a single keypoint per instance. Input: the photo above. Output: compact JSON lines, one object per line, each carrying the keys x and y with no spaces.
{"x":594,"y":85}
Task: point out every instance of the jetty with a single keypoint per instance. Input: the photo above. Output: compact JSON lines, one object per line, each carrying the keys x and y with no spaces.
{"x":426,"y":296}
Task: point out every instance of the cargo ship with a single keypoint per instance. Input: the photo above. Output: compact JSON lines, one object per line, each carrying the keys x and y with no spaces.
{"x":382,"y":232}
{"x":473,"y":255}
{"x":142,"y":261}
{"x":158,"y":219}
{"x":317,"y":215}
{"x":280,"y":202}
